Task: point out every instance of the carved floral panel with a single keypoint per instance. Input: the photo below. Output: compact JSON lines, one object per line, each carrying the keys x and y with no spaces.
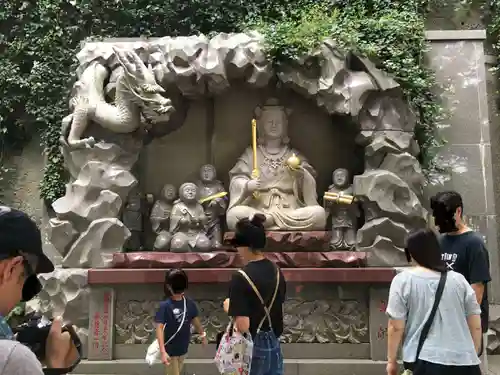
{"x":319,"y":321}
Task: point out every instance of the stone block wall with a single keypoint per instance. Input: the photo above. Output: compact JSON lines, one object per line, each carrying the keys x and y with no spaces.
{"x":458,"y":59}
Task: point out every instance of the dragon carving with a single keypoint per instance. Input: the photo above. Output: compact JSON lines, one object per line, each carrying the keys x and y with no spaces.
{"x":138,"y":99}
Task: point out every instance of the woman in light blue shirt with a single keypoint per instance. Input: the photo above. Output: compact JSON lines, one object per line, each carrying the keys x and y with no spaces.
{"x":454,"y":337}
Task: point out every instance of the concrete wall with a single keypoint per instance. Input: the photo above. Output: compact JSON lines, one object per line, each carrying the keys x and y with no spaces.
{"x":19,"y":186}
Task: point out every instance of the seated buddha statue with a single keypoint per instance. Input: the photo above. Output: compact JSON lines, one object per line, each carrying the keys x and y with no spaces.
{"x":284,"y":187}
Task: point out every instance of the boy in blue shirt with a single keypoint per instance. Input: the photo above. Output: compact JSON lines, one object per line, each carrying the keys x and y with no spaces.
{"x":173,"y":322}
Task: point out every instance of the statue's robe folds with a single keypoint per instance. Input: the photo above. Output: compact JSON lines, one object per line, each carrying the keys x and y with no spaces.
{"x":183,"y":225}
{"x":287,"y":198}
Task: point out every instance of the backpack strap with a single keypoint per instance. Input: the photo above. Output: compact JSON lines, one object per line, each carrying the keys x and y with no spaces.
{"x":266,"y":308}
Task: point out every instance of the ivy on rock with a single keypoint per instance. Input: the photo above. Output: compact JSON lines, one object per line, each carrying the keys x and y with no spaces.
{"x":38,"y":42}
{"x":391,"y":33}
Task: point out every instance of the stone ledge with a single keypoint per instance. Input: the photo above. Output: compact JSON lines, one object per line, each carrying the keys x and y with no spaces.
{"x":440,"y":35}
{"x":223,"y":275}
{"x":223,"y":259}
{"x":207,"y":367}
{"x":290,"y":351}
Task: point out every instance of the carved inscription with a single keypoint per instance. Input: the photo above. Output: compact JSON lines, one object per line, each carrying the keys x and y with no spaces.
{"x":101,"y":323}
{"x":320,"y":321}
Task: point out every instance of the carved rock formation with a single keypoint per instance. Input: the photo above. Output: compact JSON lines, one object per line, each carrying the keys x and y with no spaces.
{"x":95,"y":247}
{"x":338,"y":82}
{"x":65,"y":293}
{"x":61,"y":233}
{"x":407,"y":168}
{"x":101,"y":181}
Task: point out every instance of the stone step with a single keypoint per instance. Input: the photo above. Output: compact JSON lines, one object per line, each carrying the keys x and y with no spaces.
{"x":207,"y":367}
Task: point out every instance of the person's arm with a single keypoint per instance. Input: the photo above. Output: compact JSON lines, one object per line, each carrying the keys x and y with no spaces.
{"x":395,"y":331}
{"x":474,"y":323}
{"x":196,"y":320}
{"x":397,"y":312}
{"x":198,"y":326}
{"x":160,"y":327}
{"x":239,"y":307}
{"x":473,"y":314}
{"x":21,"y":361}
{"x":479,"y":269}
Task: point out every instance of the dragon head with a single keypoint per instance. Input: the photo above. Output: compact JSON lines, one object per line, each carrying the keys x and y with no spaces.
{"x":141,"y":84}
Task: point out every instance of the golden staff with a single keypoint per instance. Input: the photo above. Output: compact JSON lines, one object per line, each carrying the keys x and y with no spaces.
{"x":255,"y":170}
{"x":222,"y":194}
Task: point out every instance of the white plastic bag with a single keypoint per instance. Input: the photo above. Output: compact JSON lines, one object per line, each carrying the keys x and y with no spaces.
{"x":153,"y":353}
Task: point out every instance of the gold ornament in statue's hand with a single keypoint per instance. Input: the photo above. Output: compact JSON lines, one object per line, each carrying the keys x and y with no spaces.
{"x":293,"y":162}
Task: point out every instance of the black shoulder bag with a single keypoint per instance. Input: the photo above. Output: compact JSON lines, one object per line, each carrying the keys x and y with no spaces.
{"x":430,"y":319}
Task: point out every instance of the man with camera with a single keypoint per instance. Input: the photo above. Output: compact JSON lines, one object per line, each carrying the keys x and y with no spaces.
{"x":463,"y":251}
{"x":21,"y":259}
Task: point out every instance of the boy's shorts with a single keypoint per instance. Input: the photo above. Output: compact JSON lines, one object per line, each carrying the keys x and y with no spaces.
{"x":175,"y":366}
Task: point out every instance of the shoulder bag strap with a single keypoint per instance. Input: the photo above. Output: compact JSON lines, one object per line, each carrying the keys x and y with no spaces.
{"x":266,"y":308}
{"x":180,"y":325}
{"x":430,"y":319}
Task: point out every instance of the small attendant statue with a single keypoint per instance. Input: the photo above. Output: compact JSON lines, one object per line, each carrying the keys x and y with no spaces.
{"x":160,"y":218}
{"x":344,"y":212}
{"x":187,"y":222}
{"x":132,"y":219}
{"x":213,"y":198}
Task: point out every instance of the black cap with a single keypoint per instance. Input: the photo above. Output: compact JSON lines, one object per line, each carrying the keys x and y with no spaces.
{"x":19,"y":233}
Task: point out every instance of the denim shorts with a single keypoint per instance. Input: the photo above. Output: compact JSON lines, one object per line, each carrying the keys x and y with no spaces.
{"x":267,"y":357}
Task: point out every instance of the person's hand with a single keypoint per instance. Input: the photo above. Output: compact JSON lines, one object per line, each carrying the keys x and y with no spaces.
{"x":392,"y":368}
{"x":60,"y":349}
{"x":225,"y":305}
{"x":165,"y":359}
{"x":204,"y":341}
{"x":253,"y":185}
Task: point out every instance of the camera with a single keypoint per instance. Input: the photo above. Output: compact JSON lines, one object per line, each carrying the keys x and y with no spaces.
{"x":34,"y":331}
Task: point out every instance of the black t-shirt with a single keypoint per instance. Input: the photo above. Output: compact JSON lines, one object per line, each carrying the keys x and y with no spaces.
{"x":244,"y":301}
{"x":466,"y":254}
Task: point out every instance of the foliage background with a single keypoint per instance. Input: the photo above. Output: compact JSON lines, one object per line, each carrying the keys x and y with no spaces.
{"x":39,"y":39}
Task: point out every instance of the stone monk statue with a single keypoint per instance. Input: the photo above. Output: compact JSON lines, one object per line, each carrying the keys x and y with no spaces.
{"x":276,"y":181}
{"x":187,"y":222}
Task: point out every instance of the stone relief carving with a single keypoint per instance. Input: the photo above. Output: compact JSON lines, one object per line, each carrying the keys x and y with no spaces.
{"x":136,"y":93}
{"x":325,"y":321}
{"x":321,"y":321}
{"x":129,"y":92}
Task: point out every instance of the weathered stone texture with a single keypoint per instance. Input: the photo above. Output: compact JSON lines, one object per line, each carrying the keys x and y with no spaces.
{"x":65,"y":293}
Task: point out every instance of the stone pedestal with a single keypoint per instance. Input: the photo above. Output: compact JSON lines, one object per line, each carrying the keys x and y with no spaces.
{"x":332,"y":315}
{"x":222,"y":259}
{"x":292,"y":241}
